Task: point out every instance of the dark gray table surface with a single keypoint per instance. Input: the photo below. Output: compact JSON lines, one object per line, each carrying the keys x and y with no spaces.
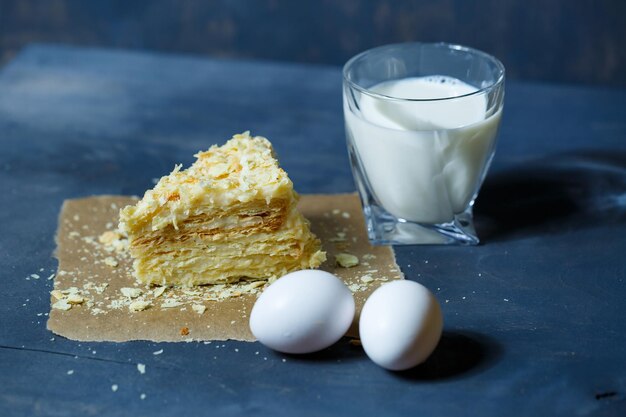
{"x":534,"y":316}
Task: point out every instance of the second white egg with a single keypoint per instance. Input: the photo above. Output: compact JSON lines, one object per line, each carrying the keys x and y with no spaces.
{"x":400,"y":325}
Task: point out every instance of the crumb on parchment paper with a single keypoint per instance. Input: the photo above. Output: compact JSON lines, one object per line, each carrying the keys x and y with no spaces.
{"x":139,"y":305}
{"x":346,"y":260}
{"x":131,"y":292}
{"x":198,"y":308}
{"x":111,"y":261}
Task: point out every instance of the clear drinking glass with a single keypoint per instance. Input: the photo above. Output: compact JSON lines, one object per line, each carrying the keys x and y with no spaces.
{"x":421,"y":126}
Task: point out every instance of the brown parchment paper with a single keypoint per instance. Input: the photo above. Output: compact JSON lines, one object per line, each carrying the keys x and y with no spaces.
{"x":104,"y":315}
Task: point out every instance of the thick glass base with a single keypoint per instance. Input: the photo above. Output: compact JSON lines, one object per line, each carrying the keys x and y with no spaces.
{"x":385,"y":229}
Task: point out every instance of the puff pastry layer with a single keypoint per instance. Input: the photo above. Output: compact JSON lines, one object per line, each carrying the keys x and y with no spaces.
{"x":232,"y":215}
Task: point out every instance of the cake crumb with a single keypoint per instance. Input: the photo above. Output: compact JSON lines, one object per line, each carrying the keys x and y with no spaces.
{"x":57,"y":294}
{"x":139,"y":305}
{"x":184,"y":331}
{"x":170,"y":303}
{"x":354,"y":287}
{"x":367,"y":279}
{"x":75,"y":299}
{"x":62,"y":305}
{"x":346,"y":260}
{"x":111,"y":261}
{"x":141,"y":368}
{"x":355,"y":342}
{"x":157,"y":292}
{"x":131,"y":292}
{"x":108,"y":237}
{"x":256,"y":284}
{"x":198,"y":308}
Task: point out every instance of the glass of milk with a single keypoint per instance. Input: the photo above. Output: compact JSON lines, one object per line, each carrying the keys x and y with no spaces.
{"x":421,"y":126}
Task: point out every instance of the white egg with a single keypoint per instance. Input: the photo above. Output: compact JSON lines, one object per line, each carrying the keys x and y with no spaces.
{"x":400,"y":325}
{"x":302,"y":312}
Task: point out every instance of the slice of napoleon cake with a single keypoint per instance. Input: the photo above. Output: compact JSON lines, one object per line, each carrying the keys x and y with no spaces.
{"x":231,"y":215}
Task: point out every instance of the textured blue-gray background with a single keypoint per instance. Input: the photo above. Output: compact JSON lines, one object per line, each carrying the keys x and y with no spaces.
{"x":534,"y":316}
{"x":557,"y":40}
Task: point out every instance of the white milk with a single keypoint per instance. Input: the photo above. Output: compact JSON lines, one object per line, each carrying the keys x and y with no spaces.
{"x":424,"y":160}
